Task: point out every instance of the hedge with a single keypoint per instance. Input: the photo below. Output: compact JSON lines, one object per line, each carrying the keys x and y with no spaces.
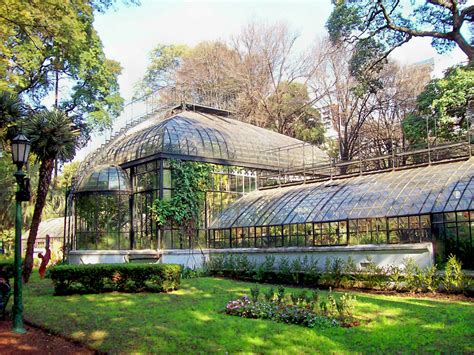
{"x":97,"y":278}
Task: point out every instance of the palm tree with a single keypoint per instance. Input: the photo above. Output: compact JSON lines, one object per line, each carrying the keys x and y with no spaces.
{"x":11,"y":109}
{"x":53,"y":136}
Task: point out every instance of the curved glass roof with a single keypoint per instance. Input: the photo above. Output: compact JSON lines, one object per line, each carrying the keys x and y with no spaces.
{"x":437,"y":188}
{"x":213,"y":137}
{"x":105,"y":178}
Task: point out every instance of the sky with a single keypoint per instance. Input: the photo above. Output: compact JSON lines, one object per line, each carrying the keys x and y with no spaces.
{"x":130,"y":32}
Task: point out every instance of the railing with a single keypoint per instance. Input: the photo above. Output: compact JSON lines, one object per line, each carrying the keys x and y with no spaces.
{"x":313,"y":171}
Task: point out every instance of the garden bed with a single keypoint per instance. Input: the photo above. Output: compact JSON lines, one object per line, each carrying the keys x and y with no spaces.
{"x":339,"y":273}
{"x":36,"y":341}
{"x":308,"y":309}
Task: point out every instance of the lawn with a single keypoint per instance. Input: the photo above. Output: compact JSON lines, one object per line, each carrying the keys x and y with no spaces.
{"x":191,"y":320}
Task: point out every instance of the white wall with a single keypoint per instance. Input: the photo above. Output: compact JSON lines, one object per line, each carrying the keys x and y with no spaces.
{"x":108,"y":256}
{"x":382,"y":255}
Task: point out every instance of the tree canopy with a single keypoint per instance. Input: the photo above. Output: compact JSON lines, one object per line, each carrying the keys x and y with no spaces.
{"x":378,"y":27}
{"x":259,"y":75}
{"x":442,"y":107}
{"x":45,"y":42}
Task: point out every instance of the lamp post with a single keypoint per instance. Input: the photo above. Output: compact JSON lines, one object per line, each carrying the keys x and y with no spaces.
{"x":20,"y":150}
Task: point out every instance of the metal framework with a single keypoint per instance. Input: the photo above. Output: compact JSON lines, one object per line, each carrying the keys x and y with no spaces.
{"x":303,"y":198}
{"x":210,"y":137}
{"x":430,"y":189}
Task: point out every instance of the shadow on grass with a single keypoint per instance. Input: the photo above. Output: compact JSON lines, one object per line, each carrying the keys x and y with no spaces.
{"x":191,"y":319}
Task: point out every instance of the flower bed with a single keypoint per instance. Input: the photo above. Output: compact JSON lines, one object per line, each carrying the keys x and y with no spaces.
{"x":337,"y":273}
{"x":309,"y":310}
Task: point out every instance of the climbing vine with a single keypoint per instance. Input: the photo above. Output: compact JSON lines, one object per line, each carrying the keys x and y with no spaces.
{"x":190,"y":181}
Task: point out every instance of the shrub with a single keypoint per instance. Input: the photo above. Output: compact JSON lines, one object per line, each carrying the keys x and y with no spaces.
{"x":193,"y":273}
{"x":284,"y":270}
{"x":6,"y":268}
{"x":311,"y":272}
{"x":216,"y":263}
{"x":243,"y":265}
{"x":345,"y":306}
{"x":269,"y":295}
{"x":296,"y":267}
{"x":431,"y":280}
{"x":280,"y":294}
{"x":255,"y":292}
{"x":265,"y":269}
{"x":96,"y":278}
{"x":339,"y":273}
{"x":453,"y":279}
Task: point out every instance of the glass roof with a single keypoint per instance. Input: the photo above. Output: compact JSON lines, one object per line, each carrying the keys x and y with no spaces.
{"x":437,"y":188}
{"x":54,"y":227}
{"x":206,"y":135}
{"x":105,"y":178}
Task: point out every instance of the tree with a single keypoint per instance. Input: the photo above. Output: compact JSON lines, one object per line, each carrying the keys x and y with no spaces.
{"x":44,"y":42}
{"x":255,"y":76}
{"x":11,"y":109}
{"x":53,"y":136}
{"x":289,"y":113}
{"x":367,"y":122}
{"x":378,"y":27}
{"x":165,"y":60}
{"x":68,"y":172}
{"x":442,"y":108}
{"x":383,"y":132}
{"x":207,"y":75}
{"x":344,"y":101}
{"x":269,"y":66}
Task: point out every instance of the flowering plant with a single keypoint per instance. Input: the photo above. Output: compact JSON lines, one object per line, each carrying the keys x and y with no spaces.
{"x":306,"y":310}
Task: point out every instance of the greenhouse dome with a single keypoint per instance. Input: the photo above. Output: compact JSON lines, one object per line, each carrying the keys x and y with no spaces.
{"x":106,"y":179}
{"x":213,"y":138}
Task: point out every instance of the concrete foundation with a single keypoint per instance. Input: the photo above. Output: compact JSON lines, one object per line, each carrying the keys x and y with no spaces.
{"x":382,"y":255}
{"x":110,"y":256}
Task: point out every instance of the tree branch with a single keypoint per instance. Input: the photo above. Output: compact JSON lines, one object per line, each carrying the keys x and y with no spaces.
{"x":415,"y":33}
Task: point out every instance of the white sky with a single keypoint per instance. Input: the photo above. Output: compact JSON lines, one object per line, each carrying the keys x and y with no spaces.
{"x":130,"y":32}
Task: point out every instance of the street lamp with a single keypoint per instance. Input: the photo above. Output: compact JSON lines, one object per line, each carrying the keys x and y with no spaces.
{"x":20,"y":150}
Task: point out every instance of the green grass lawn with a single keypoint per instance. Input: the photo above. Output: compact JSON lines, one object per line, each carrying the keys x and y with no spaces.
{"x":191,"y":320}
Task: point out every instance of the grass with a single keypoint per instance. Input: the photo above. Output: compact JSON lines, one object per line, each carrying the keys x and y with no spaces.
{"x":191,"y":320}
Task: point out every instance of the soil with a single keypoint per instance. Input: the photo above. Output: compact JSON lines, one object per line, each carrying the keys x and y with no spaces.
{"x":36,"y":341}
{"x":437,"y":296}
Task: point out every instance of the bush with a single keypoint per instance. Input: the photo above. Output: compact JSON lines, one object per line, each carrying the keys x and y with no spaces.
{"x":6,"y":268}
{"x":96,"y":278}
{"x":193,"y":273}
{"x":454,"y":278}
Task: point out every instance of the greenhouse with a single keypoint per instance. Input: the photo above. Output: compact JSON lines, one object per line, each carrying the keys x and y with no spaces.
{"x":267,"y":193}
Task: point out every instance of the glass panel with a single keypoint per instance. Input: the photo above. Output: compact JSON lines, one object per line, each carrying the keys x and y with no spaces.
{"x":166,"y":178}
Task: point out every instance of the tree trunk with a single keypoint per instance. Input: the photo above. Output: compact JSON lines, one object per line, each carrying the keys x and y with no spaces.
{"x":45,"y":173}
